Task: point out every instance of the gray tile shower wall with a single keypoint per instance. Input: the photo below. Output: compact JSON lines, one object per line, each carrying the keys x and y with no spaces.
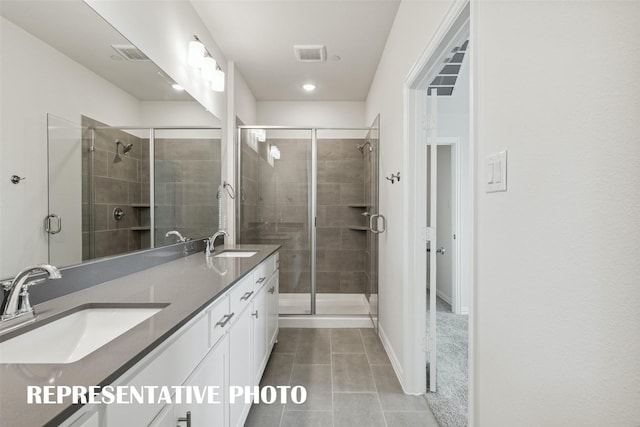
{"x":187,"y":177}
{"x":275,"y":209}
{"x":114,"y":180}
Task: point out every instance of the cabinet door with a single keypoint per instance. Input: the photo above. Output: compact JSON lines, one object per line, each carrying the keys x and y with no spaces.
{"x":272,"y":309}
{"x":210,"y":373}
{"x":240,"y":372}
{"x":259,"y":319}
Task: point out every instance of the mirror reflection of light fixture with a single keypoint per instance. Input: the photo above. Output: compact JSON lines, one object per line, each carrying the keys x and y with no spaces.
{"x":261,"y":135}
{"x":274,"y":151}
{"x":199,"y":57}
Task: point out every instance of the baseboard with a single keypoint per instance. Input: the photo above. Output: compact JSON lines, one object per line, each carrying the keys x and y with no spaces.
{"x":444,"y":297}
{"x":395,"y":363}
{"x":324,"y":321}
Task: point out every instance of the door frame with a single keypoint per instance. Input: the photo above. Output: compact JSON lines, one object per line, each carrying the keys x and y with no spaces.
{"x":414,"y":204}
{"x":456,"y":285}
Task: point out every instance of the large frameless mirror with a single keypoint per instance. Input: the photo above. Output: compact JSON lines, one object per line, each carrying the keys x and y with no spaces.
{"x":110,"y":189}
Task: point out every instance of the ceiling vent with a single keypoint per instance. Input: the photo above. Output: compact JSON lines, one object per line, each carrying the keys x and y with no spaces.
{"x":130,"y":52}
{"x":310,"y":53}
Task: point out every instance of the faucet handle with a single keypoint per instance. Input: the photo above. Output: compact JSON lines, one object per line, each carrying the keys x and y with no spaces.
{"x":34,"y":282}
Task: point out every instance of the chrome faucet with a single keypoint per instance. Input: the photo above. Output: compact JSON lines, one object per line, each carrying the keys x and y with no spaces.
{"x":176,"y":233}
{"x":212,"y":240}
{"x":16,"y":307}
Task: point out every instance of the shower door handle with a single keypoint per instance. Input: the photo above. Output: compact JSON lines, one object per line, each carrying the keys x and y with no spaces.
{"x":47,"y":224}
{"x":374,"y":219}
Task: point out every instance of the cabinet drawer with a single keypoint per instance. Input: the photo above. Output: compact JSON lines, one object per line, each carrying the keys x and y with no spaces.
{"x":241,"y":295}
{"x":263,"y":272}
{"x":219,"y":320}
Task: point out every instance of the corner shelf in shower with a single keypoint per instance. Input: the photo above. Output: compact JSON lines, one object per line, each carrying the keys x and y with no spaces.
{"x":357,"y":228}
{"x":360,"y":206}
{"x":140,"y":205}
{"x":147,"y":228}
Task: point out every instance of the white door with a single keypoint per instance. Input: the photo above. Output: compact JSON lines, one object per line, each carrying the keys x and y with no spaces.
{"x":445,"y":206}
{"x":432,"y":241}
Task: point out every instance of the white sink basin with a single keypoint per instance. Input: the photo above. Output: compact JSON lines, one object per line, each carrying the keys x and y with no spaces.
{"x":74,"y":336}
{"x":236,"y":254}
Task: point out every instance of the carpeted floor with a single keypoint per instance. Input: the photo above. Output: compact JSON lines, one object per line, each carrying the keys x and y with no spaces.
{"x":449,"y":402}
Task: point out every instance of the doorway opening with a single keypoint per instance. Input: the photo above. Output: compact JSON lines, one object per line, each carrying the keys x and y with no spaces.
{"x":439,"y":226}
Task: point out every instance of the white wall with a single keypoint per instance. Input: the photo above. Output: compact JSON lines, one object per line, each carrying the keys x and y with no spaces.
{"x":557,"y":291}
{"x":178,"y":113}
{"x":245,"y":105}
{"x":415,"y":23}
{"x":313,"y":114}
{"x":28,"y":93}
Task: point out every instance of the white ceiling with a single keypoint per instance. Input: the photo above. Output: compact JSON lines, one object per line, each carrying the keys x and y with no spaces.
{"x":259,"y":37}
{"x":74,"y":29}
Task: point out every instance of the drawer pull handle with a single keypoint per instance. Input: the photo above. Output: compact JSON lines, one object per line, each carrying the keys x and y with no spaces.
{"x":255,"y":314}
{"x":246,"y":296}
{"x":260,"y":280}
{"x":272,"y":289}
{"x":186,"y":419}
{"x":225,"y":319}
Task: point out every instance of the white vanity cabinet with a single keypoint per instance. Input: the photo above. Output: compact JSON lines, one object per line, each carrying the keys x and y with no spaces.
{"x":226,"y":345}
{"x":211,"y":372}
{"x":249,"y":345}
{"x":273,"y":310}
{"x":259,"y":327}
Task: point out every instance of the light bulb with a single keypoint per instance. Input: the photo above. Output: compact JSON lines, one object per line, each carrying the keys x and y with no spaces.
{"x":208,"y":68}
{"x":196,"y":53}
{"x":217,"y":83}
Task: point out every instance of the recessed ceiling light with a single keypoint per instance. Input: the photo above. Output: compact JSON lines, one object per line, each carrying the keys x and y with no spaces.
{"x":177,"y":87}
{"x":309,"y":87}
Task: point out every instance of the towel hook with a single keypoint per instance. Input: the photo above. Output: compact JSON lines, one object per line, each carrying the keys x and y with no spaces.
{"x":393,"y":177}
{"x":15,"y":179}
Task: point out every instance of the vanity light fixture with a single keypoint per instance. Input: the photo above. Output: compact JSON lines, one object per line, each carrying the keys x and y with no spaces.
{"x":217,"y":82}
{"x":309,"y":87}
{"x":199,"y":57}
{"x":196,"y":52}
{"x":208,"y":68}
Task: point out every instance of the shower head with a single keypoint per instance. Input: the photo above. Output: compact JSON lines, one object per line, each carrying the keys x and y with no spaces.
{"x":125,"y":147}
{"x":364,"y":144}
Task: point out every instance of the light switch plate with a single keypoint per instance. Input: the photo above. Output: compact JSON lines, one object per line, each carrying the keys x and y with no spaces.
{"x":497,"y":172}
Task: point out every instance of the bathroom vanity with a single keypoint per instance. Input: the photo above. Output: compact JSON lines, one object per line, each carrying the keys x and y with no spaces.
{"x":214,"y":323}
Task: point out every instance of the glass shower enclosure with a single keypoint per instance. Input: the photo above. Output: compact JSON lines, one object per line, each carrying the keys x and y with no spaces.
{"x":313,"y":191}
{"x":114,"y":190}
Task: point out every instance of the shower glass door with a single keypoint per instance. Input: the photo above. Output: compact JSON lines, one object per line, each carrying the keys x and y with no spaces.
{"x":68,"y":158}
{"x":371,"y":174}
{"x":187,"y":178}
{"x":276,"y":206}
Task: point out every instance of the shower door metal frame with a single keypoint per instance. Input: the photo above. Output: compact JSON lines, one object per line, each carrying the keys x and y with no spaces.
{"x":313,"y":218}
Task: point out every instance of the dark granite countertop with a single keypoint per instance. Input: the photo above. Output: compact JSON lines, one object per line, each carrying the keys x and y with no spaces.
{"x":188,"y":285}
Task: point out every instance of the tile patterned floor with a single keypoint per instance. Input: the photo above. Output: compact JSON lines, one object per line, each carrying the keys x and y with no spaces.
{"x":349,"y":380}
